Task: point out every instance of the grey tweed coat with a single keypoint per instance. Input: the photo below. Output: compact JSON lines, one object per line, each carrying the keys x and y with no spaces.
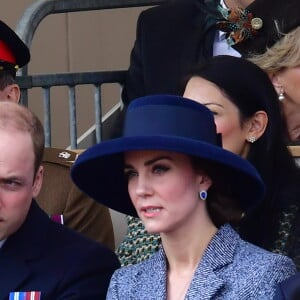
{"x":230,"y":268}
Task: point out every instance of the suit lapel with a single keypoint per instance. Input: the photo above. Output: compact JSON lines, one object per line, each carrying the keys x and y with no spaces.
{"x":12,"y":274}
{"x":19,"y":251}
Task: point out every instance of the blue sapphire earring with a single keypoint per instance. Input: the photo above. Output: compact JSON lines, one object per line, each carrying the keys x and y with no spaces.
{"x":203,"y":195}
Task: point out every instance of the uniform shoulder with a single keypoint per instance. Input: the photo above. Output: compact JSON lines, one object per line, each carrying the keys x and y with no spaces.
{"x":59,"y":156}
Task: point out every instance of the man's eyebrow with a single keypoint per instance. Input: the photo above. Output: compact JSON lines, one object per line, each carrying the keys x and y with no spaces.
{"x":12,"y":178}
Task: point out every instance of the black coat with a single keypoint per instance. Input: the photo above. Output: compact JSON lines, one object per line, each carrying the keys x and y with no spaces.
{"x":289,"y":289}
{"x":171,"y":38}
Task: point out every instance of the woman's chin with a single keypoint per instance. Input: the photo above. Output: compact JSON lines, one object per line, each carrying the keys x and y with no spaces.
{"x":152,"y":228}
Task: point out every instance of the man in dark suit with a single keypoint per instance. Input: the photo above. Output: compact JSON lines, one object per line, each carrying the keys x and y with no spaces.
{"x":37,"y":254}
{"x":173,"y":37}
{"x":58,"y":196}
{"x":170,"y":39}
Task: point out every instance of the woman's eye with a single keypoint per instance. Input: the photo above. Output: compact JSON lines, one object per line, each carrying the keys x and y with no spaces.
{"x":159,"y":169}
{"x":130,"y":174}
{"x":215,"y":113}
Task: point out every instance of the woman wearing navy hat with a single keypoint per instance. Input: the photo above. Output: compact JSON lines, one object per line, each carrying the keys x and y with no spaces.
{"x":169,"y":169}
{"x":247,"y":114}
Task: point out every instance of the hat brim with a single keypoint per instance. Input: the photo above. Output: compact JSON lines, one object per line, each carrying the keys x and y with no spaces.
{"x":17,"y":46}
{"x":99,"y":170}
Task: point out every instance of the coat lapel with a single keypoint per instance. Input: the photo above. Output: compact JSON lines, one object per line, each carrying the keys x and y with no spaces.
{"x":207,"y":281}
{"x":156,"y":268}
{"x":198,"y":40}
{"x":205,"y":284}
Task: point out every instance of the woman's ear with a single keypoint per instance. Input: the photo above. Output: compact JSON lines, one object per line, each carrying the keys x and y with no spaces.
{"x":205,"y":181}
{"x":258,"y":124}
{"x":276,"y":80}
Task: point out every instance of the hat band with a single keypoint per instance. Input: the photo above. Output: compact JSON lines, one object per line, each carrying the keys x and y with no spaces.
{"x":152,"y":120}
{"x":6,"y":54}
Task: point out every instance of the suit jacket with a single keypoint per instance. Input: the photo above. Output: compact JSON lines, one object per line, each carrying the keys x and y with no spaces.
{"x":60,"y":196}
{"x":229,"y":269}
{"x":170,"y":39}
{"x":289,"y":289}
{"x":48,"y":257}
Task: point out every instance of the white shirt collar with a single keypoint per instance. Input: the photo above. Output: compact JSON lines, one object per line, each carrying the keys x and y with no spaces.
{"x":1,"y":243}
{"x":221,"y":46}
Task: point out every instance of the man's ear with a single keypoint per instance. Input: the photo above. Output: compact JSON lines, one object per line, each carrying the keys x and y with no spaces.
{"x":37,"y":182}
{"x":258,"y":124}
{"x":12,"y":93}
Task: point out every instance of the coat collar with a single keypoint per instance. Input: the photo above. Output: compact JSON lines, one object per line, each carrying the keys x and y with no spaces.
{"x":19,"y":250}
{"x":199,"y":39}
{"x":206,"y":281}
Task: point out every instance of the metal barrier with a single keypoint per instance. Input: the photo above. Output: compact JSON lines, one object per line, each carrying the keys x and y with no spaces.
{"x":26,"y":28}
{"x":71,"y":80}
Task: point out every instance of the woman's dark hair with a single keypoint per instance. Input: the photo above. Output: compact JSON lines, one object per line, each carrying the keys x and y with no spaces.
{"x":251,"y":90}
{"x":221,"y":201}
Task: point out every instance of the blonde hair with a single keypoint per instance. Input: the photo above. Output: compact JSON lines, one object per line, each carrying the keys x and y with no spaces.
{"x":283,"y":54}
{"x":17,"y":117}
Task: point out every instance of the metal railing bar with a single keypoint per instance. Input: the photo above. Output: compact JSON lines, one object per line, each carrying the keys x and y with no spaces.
{"x":47,"y":116}
{"x":98,"y":113}
{"x":36,"y":12}
{"x":70,"y":79}
{"x":73,"y":121}
{"x":26,"y":28}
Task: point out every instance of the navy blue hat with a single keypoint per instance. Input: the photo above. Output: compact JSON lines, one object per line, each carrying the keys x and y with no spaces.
{"x":169,"y":123}
{"x":14,"y":53}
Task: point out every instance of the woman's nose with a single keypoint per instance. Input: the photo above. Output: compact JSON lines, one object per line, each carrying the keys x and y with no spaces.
{"x":143,"y":186}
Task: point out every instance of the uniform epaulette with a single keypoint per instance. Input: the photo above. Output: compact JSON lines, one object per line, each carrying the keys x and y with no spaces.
{"x":59,"y":156}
